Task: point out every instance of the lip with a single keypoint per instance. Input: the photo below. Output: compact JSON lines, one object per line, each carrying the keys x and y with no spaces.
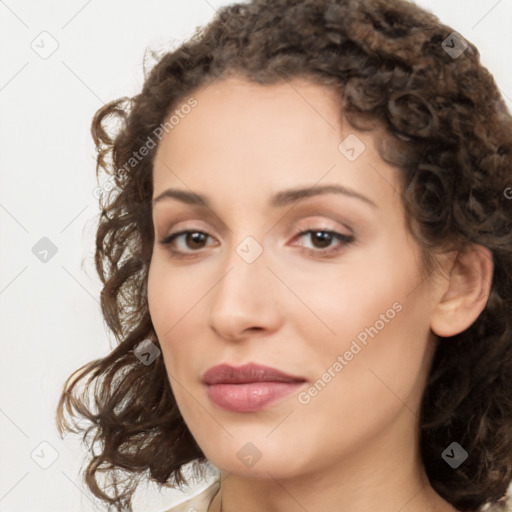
{"x":247,"y":388}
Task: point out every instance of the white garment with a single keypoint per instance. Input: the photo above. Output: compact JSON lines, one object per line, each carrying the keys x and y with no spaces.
{"x":200,"y":502}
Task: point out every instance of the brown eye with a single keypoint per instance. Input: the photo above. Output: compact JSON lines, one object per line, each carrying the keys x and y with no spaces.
{"x":324,"y":238}
{"x":195,"y":239}
{"x":324,"y":242}
{"x":186,"y":241}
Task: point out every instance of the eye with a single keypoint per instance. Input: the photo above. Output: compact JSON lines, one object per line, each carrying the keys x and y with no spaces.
{"x":190,"y":239}
{"x":187,"y":242}
{"x":322,"y":240}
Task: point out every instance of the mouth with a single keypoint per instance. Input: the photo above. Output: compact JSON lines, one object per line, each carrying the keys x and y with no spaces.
{"x":249,"y":387}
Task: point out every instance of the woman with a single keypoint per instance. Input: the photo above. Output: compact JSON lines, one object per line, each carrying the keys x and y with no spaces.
{"x":307,"y":264}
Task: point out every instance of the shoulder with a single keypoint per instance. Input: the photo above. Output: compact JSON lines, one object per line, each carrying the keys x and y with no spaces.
{"x":200,"y":502}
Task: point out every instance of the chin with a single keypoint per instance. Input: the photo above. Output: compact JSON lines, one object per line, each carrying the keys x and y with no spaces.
{"x":260,"y":459}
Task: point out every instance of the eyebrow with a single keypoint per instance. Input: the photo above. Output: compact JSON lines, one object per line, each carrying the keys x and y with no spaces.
{"x":280,"y":199}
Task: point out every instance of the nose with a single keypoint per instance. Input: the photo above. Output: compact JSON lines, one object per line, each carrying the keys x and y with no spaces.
{"x":246,"y":301}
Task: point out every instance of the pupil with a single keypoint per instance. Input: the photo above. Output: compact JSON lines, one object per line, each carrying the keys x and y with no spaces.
{"x":196,"y":238}
{"x":324,"y":237}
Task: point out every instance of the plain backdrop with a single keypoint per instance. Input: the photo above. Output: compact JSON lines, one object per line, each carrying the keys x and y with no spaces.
{"x":61,"y":60}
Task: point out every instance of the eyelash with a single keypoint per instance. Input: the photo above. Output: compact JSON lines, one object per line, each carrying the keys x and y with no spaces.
{"x":327,"y":252}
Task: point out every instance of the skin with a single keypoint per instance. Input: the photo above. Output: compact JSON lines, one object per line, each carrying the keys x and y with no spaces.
{"x":354,"y":446}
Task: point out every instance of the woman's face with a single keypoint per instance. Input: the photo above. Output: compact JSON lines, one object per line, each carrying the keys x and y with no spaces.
{"x":342,"y":308}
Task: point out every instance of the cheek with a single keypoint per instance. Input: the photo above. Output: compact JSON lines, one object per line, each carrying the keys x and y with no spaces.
{"x":169,"y":301}
{"x":338,"y":307}
{"x":374,"y":316}
{"x":359,"y":387}
{"x":172,"y":295}
{"x":177,"y":299}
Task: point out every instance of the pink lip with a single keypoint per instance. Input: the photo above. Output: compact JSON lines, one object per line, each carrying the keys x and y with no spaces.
{"x":249,"y":387}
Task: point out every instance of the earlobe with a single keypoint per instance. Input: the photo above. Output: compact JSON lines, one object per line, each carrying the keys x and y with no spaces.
{"x":464,"y":296}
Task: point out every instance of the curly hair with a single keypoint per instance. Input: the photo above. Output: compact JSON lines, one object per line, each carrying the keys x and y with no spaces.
{"x":449,"y":134}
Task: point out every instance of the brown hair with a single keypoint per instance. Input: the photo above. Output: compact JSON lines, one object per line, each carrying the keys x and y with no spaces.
{"x":452,"y":141}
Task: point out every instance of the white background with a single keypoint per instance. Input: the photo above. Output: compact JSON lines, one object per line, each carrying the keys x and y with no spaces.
{"x":50,"y":320}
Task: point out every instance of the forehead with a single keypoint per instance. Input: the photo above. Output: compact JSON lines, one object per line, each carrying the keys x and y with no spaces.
{"x":247,"y":135}
{"x":248,"y":111}
{"x":298,"y":92}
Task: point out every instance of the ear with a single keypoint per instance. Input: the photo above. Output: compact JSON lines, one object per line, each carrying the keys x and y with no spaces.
{"x":464,"y":293}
